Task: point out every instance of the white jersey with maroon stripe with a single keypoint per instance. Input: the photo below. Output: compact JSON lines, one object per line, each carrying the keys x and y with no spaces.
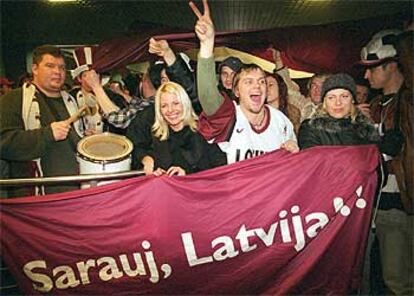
{"x":245,"y":142}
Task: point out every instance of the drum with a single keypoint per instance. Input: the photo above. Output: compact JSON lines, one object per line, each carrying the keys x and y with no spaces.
{"x":103,"y":153}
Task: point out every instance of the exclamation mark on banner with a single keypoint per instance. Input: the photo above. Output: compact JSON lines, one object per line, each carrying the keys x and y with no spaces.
{"x":360,"y":203}
{"x":344,"y":210}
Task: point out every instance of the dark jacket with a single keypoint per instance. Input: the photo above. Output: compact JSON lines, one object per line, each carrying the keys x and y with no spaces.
{"x":402,"y":165}
{"x":323,"y":129}
{"x":186,"y":149}
{"x":181,"y":74}
{"x":139,"y":132}
{"x":18,"y":146}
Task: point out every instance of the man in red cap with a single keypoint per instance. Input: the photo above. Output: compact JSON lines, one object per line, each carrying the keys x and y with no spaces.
{"x":5,"y":85}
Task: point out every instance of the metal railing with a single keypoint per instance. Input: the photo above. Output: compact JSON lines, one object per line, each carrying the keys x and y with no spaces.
{"x":72,"y":179}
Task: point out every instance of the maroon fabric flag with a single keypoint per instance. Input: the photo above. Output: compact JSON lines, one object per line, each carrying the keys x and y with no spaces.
{"x":330,"y":48}
{"x":280,"y":223}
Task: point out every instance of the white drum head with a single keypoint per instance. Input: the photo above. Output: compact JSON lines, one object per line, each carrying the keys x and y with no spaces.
{"x":106,"y":147}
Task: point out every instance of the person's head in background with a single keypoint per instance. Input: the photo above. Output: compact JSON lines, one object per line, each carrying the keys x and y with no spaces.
{"x":315,"y":87}
{"x":227,"y":70}
{"x":277,"y":92}
{"x":83,"y":82}
{"x":362,"y":90}
{"x":132,"y":84}
{"x":5,"y":85}
{"x":157,"y":74}
{"x":24,"y":78}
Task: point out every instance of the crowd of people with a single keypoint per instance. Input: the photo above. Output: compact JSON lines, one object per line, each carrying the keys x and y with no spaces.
{"x":182,"y":121}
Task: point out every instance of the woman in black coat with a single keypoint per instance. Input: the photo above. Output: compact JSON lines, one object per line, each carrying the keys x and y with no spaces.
{"x":338,"y":121}
{"x":175,"y":148}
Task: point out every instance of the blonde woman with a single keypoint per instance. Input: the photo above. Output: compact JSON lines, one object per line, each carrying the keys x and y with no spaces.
{"x":177,"y":148}
{"x":337,"y":121}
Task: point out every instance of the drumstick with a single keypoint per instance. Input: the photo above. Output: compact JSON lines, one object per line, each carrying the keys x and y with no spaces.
{"x":88,"y":109}
{"x":76,"y":115}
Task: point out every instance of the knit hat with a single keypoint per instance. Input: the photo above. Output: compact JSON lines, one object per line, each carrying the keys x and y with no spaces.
{"x":339,"y":81}
{"x":84,"y":59}
{"x":232,"y":62}
{"x":380,"y":49}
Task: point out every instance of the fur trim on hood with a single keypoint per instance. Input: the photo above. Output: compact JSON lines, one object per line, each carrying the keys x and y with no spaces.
{"x":362,"y":125}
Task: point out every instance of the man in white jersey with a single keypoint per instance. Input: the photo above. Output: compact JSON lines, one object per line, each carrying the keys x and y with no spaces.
{"x":242,"y":131}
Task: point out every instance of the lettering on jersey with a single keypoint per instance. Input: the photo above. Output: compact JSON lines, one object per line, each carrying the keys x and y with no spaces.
{"x":249,"y":153}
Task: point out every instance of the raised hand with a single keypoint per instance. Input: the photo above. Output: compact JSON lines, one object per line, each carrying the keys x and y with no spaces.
{"x":92,"y":79}
{"x":162,"y":49}
{"x":275,"y":54}
{"x":204,"y":29}
{"x":158,"y":47}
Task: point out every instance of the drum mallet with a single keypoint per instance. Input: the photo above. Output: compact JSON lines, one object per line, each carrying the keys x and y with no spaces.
{"x":81,"y":111}
{"x":86,"y":109}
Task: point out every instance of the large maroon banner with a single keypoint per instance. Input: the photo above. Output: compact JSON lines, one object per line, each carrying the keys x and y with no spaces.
{"x":280,"y":223}
{"x":330,"y":48}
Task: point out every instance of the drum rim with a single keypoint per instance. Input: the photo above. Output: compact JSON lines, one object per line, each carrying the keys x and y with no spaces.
{"x":103,"y":160}
{"x":97,"y":159}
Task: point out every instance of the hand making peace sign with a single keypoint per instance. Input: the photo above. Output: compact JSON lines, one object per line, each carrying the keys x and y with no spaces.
{"x":204,"y":29}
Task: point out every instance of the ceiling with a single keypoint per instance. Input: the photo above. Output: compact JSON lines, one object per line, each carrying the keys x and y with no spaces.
{"x":25,"y":24}
{"x":85,"y":21}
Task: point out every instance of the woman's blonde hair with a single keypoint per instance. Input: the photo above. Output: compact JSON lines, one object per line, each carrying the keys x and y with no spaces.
{"x":160,"y":127}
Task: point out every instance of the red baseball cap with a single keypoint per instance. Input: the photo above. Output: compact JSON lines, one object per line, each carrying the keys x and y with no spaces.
{"x":5,"y":81}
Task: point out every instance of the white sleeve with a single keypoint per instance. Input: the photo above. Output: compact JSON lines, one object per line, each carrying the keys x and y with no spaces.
{"x":290,"y":132}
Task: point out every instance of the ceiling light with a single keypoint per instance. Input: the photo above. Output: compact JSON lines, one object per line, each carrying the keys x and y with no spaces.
{"x":61,"y":1}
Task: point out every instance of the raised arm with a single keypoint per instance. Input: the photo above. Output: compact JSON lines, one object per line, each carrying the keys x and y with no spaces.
{"x":208,"y":94}
{"x":162,"y":49}
{"x":295,"y":96}
{"x":281,"y":69}
{"x":177,"y":70}
{"x":92,"y":78}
